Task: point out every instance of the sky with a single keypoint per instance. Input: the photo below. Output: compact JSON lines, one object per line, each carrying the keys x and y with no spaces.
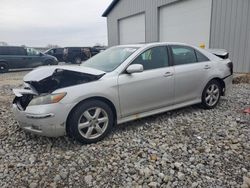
{"x":38,"y":23}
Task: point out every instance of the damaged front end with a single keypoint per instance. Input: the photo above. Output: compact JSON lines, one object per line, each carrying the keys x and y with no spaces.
{"x":36,"y":85}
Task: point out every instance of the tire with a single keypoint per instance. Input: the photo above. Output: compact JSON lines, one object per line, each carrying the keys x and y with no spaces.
{"x":3,"y":68}
{"x":86,"y":126}
{"x":211,"y":94}
{"x":77,"y":60}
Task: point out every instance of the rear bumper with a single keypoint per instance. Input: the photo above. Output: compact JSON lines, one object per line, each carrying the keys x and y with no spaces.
{"x":45,"y":120}
{"x":228,"y":84}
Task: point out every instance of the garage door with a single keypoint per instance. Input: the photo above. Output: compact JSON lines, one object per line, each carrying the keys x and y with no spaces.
{"x":186,"y":21}
{"x":132,"y":29}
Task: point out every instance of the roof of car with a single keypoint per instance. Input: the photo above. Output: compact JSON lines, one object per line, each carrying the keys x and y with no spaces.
{"x":153,"y":44}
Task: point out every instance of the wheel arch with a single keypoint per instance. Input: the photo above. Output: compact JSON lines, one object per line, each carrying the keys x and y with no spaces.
{"x":222,"y":84}
{"x":4,"y":62}
{"x":103,"y":99}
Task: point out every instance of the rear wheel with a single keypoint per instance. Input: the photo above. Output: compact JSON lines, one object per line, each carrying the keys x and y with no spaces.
{"x":211,"y":94}
{"x":91,"y":121}
{"x":3,"y":68}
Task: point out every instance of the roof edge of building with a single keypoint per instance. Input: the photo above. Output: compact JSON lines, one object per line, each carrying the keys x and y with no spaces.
{"x":110,"y":7}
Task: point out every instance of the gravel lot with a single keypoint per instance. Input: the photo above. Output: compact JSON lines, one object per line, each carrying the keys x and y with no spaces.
{"x":189,"y":147}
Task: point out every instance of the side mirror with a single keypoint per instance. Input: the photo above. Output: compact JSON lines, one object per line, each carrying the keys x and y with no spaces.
{"x":135,"y":68}
{"x":40,"y":54}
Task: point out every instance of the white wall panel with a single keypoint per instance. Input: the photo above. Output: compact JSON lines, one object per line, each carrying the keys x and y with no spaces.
{"x":186,"y":21}
{"x":132,"y":29}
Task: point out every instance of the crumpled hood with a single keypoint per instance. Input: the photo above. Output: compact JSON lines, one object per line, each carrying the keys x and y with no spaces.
{"x":44,"y":72}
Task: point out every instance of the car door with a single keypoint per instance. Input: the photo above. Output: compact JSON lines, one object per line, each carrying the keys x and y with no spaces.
{"x":58,"y":53}
{"x":151,"y":89}
{"x":33,"y":58}
{"x":15,"y":57}
{"x":191,"y":72}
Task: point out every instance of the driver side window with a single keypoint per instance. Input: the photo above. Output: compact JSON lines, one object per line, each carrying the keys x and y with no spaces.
{"x":153,"y":58}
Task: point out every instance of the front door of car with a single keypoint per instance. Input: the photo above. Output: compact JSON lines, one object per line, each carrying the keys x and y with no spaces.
{"x":33,"y":58}
{"x":148,"y":90}
{"x":58,"y":53}
{"x":191,"y":73}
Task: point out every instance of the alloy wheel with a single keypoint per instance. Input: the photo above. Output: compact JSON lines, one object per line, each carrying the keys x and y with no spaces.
{"x":212,"y":95}
{"x":93,"y":123}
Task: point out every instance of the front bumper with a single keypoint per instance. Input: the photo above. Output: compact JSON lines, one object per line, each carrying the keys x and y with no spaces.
{"x":46,"y":120}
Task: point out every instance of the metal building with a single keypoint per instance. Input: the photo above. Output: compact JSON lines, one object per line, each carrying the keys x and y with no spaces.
{"x":215,"y":23}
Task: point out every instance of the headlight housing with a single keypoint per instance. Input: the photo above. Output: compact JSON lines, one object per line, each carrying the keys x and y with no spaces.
{"x":47,"y":99}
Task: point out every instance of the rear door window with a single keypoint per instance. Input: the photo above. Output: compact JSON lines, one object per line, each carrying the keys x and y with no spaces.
{"x":183,"y":55}
{"x":201,"y":57}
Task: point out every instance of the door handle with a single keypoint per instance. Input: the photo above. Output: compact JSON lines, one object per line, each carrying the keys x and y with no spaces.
{"x":168,"y":74}
{"x":207,"y":67}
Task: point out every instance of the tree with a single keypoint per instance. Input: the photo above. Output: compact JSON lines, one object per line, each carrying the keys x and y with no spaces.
{"x":52,"y":46}
{"x":2,"y":43}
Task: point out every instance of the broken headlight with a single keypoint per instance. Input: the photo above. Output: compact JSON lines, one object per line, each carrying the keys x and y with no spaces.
{"x":47,"y":99}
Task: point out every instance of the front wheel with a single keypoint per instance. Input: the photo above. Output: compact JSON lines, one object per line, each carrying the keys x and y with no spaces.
{"x":91,"y":121}
{"x":211,"y":94}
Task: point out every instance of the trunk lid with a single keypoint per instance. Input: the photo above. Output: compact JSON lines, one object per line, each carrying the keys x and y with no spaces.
{"x":219,"y":53}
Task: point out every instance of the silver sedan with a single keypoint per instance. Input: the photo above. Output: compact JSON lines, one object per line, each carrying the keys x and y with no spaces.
{"x":121,"y":84}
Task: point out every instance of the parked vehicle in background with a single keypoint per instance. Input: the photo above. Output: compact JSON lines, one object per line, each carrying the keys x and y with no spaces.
{"x":100,"y":48}
{"x":121,"y":84}
{"x":78,"y":54}
{"x":15,"y":57}
{"x":94,"y":51}
{"x":56,"y":52}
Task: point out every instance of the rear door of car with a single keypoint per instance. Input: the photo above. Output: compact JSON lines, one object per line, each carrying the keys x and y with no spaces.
{"x":191,"y":73}
{"x":151,"y":89}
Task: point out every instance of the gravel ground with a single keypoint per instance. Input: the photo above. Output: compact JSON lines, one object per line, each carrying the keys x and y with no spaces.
{"x":189,"y":147}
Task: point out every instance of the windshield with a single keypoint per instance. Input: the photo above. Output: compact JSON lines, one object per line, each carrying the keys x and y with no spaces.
{"x":110,"y":59}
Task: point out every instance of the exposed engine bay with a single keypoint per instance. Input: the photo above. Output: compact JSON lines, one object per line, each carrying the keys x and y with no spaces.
{"x":59,"y":79}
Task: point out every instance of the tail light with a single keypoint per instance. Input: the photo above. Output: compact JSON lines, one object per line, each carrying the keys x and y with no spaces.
{"x":231,"y":67}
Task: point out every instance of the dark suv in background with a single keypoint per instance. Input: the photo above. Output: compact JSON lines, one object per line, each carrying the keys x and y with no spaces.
{"x":56,"y":52}
{"x":15,"y":57}
{"x":78,"y":54}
